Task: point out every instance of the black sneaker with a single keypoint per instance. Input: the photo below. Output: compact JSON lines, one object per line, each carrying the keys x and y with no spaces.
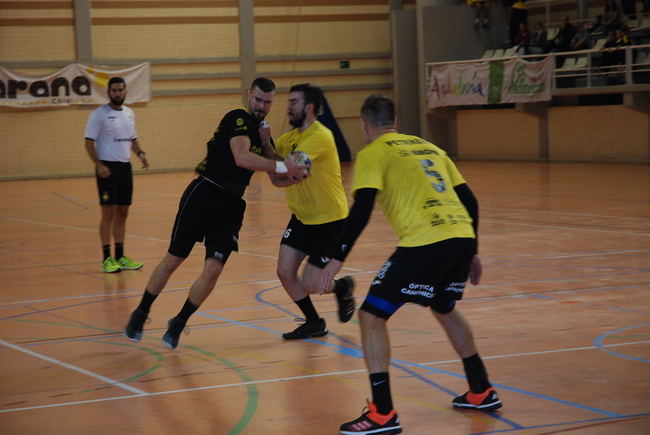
{"x":316,"y":328}
{"x":174,"y":328}
{"x":345,"y":299}
{"x":133,"y":330}
{"x":485,"y":401}
{"x":372,"y":422}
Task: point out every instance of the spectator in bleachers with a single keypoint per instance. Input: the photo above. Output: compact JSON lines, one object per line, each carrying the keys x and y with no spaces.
{"x":562,"y":41}
{"x":482,"y":8}
{"x":581,"y":39}
{"x":538,"y":39}
{"x":597,"y":26}
{"x":523,"y":39}
{"x":613,"y":19}
{"x":518,"y":15}
{"x":629,"y":9}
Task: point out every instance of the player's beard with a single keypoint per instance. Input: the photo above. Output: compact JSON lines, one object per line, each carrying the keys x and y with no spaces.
{"x":117,"y":101}
{"x":296,"y":121}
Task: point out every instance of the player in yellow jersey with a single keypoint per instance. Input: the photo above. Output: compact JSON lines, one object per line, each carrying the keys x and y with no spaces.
{"x":319,"y":207}
{"x":435,"y":215}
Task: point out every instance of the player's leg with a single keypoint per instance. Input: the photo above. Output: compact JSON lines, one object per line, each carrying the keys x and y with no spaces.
{"x":343,"y":288}
{"x":157,"y":282}
{"x":379,"y":305}
{"x":106,"y":190}
{"x":123,"y":200}
{"x":449,"y":289}
{"x":381,"y":416}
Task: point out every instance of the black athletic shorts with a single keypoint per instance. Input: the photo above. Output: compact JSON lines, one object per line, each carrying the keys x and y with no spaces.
{"x":431,"y":275}
{"x":118,"y":187}
{"x":317,"y":241}
{"x":207,"y":213}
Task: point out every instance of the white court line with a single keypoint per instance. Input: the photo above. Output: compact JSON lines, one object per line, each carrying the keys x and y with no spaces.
{"x":294,"y":378}
{"x":75,"y":368}
{"x":273,"y":257}
{"x":500,"y":221}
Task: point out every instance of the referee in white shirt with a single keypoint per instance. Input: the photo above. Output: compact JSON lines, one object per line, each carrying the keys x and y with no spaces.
{"x":110,"y":137}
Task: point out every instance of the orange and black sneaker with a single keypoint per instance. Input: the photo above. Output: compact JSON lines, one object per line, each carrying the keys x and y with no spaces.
{"x":485,"y":401}
{"x":372,"y":422}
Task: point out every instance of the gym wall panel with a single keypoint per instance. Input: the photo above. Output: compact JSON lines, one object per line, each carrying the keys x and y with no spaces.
{"x":587,"y":133}
{"x":497,"y":134}
{"x":165,"y":41}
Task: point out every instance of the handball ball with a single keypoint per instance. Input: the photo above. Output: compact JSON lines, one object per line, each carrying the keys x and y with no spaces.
{"x":301,"y":158}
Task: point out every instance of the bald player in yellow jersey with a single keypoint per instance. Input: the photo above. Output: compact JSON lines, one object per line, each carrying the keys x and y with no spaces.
{"x":319,"y":207}
{"x":435,"y":215}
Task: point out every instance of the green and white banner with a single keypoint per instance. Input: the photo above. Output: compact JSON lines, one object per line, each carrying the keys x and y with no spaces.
{"x":509,"y":81}
{"x":74,"y":84}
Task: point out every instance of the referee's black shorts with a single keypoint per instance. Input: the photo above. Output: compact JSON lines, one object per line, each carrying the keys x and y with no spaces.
{"x":207,"y":213}
{"x":117,"y":188}
{"x":319,"y":242}
{"x":432,"y":275}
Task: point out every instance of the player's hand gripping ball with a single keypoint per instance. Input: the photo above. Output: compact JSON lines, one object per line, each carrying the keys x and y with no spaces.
{"x":301,"y":158}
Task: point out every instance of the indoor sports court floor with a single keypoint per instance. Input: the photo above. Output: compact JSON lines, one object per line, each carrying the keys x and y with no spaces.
{"x":561,"y":317}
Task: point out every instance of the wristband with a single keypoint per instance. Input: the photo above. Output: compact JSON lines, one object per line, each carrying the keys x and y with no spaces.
{"x":280,"y":167}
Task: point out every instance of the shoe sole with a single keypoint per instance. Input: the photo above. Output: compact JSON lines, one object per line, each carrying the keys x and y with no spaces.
{"x":168,"y":345}
{"x":314,"y":335}
{"x":383,"y":431}
{"x":490,"y":407}
{"x":135,"y":338}
{"x":111,"y":271}
{"x":131,"y":268}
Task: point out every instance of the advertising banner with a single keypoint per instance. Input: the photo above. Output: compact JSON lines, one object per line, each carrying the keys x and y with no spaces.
{"x":74,"y":84}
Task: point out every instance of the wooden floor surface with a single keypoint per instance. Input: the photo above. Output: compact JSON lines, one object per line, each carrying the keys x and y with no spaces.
{"x":562,"y":317}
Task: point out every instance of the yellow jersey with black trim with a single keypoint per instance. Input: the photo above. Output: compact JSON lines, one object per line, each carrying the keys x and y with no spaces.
{"x":320,"y":198}
{"x":415,"y":180}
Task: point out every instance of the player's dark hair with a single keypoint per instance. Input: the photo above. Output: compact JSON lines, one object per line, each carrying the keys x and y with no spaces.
{"x":263,"y":84}
{"x":312,"y":95}
{"x":114,"y":80}
{"x":378,"y":110}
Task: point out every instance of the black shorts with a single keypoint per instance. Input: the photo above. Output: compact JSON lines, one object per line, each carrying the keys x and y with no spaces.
{"x":317,"y":241}
{"x":209,"y":214}
{"x":431,"y":275}
{"x":116,"y":189}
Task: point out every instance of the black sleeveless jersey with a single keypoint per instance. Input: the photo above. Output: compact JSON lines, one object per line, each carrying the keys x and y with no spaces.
{"x":219,"y":165}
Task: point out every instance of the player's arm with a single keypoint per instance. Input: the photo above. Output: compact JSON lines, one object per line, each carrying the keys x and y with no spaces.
{"x":102,"y":170}
{"x":470,"y":202}
{"x":240,"y":146}
{"x":364,"y":202}
{"x":135,"y":147}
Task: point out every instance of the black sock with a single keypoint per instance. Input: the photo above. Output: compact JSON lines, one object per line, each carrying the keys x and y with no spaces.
{"x":119,"y":250}
{"x":307,"y":308}
{"x":106,"y":251}
{"x":477,"y":377}
{"x":188,"y":309}
{"x":146,"y":301}
{"x":380,"y":385}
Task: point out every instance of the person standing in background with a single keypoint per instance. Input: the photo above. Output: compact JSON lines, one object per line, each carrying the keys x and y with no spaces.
{"x":110,"y":137}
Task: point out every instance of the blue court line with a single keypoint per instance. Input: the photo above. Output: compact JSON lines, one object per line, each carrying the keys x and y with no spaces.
{"x":598,"y":342}
{"x":592,"y":420}
{"x":514,"y":389}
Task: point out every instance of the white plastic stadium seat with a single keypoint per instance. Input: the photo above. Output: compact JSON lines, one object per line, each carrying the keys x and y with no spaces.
{"x":581,"y":62}
{"x":498,"y":52}
{"x":600,"y":44}
{"x":552,"y":32}
{"x":569,"y":63}
{"x":489,"y":53}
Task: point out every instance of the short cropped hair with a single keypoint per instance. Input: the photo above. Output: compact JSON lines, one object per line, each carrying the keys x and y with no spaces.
{"x":312,"y":94}
{"x":378,"y":110}
{"x":114,"y":80}
{"x":263,"y":84}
